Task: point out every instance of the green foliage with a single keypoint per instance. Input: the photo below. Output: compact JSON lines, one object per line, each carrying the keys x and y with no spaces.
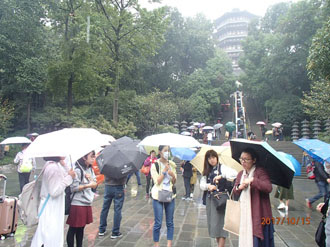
{"x":6,"y":115}
{"x":317,"y":101}
{"x":166,"y":129}
{"x":275,"y":57}
{"x":286,"y":110}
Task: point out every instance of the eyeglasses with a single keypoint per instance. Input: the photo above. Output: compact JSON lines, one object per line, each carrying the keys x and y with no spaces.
{"x":244,"y":160}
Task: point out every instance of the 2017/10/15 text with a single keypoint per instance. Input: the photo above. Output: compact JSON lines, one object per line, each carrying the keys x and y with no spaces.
{"x":286,"y":220}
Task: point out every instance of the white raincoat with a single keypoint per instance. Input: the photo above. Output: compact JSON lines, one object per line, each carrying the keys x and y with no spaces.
{"x":50,"y":231}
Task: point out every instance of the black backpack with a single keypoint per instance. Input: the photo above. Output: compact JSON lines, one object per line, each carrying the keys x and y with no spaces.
{"x":69,"y":195}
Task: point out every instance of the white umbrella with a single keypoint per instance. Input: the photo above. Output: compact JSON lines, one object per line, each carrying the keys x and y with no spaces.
{"x":260,"y":123}
{"x":197,"y":124}
{"x":208,"y":128}
{"x":15,"y":140}
{"x":109,"y":138}
{"x":277,"y":125}
{"x":192,"y":127}
{"x":185,"y":133}
{"x":217,"y":126}
{"x":170,"y":139}
{"x":73,"y":142}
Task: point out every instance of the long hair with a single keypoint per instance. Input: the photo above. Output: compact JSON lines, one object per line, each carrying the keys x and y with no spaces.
{"x":207,"y":166}
{"x":81,"y":161}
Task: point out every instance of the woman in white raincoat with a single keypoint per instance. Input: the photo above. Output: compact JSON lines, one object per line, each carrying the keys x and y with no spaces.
{"x":57,"y":176}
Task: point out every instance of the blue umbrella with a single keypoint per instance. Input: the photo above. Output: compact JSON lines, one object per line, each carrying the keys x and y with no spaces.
{"x":294,"y":162}
{"x":315,"y":148}
{"x":183,"y":153}
{"x":280,"y":170}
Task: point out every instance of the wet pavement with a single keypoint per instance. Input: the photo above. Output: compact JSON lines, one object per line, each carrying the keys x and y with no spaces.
{"x":189,"y":221}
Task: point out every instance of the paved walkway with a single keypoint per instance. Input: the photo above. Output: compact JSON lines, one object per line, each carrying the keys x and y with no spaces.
{"x":189,"y":219}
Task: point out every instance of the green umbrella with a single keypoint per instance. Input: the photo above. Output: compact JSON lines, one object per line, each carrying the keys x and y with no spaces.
{"x":230,"y":126}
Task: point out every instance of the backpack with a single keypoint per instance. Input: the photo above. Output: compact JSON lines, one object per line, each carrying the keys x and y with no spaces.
{"x":152,"y":181}
{"x":29,"y":200}
{"x":310,"y":171}
{"x":27,"y":165}
{"x":68,"y":193}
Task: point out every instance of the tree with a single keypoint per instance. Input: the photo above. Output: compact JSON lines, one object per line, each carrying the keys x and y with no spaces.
{"x":317,"y":102}
{"x":6,"y":115}
{"x":275,"y":55}
{"x":188,"y":45}
{"x":74,"y":69}
{"x":128,"y":32}
{"x":22,"y":60}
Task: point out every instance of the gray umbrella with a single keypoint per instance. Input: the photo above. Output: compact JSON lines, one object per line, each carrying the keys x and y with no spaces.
{"x":121,"y":158}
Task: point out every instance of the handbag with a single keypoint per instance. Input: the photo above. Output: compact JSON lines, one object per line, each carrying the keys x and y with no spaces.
{"x":232,"y":215}
{"x":165,"y":196}
{"x":220,"y":199}
{"x":145,"y":170}
{"x":320,"y":233}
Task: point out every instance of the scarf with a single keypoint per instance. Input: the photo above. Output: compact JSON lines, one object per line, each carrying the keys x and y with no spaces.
{"x":246,"y":228}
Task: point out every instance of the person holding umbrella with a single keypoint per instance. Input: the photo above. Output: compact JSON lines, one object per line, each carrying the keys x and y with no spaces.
{"x":215,"y":177}
{"x":56,"y":177}
{"x":253,"y":185}
{"x":25,"y":166}
{"x":163,"y":174}
{"x":83,"y":195}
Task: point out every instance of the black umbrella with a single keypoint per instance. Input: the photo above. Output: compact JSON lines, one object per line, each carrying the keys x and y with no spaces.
{"x":121,"y":158}
{"x":279,"y":169}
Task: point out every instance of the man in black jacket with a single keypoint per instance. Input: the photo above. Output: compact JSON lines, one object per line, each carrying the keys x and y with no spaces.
{"x":322,"y":179}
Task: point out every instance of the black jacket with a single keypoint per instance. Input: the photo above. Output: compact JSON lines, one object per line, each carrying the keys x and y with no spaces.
{"x":187,"y":169}
{"x":319,"y":172}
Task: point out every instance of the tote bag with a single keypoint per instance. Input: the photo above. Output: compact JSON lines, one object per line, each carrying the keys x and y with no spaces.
{"x":232,"y":216}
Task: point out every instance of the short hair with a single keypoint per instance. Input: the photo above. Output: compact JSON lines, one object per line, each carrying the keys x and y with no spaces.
{"x":152,"y":151}
{"x":252,"y":152}
{"x":55,"y":159}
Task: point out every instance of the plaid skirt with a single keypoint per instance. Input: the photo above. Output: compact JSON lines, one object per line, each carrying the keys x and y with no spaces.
{"x":79,"y":216}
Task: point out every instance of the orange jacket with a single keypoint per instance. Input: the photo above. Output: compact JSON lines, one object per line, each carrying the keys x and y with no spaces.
{"x":99,"y":176}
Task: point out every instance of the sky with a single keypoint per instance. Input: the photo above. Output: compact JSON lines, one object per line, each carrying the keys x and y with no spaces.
{"x":213,"y":9}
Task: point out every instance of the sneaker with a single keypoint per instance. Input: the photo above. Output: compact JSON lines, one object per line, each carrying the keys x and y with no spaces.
{"x":191,"y":195}
{"x":308,"y":203}
{"x":118,"y":235}
{"x":184,"y":198}
{"x":190,"y":199}
{"x":281,"y":206}
{"x":101,"y":234}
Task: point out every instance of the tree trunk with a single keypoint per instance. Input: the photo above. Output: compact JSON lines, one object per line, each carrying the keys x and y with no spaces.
{"x":116,"y":97}
{"x":70,"y":83}
{"x":28,"y":115}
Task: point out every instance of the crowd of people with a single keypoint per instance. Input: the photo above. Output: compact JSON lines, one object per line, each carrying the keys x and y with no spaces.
{"x":251,"y":186}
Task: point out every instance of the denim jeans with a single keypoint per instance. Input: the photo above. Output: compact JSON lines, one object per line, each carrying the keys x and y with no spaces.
{"x":115,"y":193}
{"x":158,"y":213}
{"x":137,"y":174}
{"x":323,"y":191}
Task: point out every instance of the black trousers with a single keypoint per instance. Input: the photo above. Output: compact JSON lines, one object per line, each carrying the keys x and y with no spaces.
{"x":23,"y":178}
{"x":186,"y":181}
{"x":75,"y":231}
{"x":148,"y":178}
